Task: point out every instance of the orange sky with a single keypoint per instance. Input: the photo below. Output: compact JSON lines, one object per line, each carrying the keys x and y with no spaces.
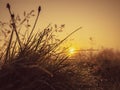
{"x":100,"y":19}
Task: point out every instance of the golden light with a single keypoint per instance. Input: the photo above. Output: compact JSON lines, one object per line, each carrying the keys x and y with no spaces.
{"x":71,"y":51}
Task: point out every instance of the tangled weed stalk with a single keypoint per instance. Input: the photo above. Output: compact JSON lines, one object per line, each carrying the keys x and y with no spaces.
{"x":30,"y":60}
{"x":34,"y":50}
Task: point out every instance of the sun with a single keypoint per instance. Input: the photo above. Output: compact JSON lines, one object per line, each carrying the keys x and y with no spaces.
{"x":71,"y":51}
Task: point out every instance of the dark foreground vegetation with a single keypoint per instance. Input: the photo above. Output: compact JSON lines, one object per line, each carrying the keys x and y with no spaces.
{"x":35,"y":61}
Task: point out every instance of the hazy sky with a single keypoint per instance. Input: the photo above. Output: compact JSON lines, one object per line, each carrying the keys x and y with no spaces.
{"x":100,"y":19}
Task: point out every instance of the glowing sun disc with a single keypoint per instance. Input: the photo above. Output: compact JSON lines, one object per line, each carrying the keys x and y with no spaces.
{"x":71,"y":51}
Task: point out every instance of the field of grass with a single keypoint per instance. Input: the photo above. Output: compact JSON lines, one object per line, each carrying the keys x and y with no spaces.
{"x":36,"y":61}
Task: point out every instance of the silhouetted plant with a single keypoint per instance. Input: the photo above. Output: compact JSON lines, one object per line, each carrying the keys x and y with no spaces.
{"x":26,"y":51}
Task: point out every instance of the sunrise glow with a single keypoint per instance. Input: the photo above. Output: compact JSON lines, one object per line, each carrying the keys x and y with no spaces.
{"x":60,"y":44}
{"x":71,"y":51}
